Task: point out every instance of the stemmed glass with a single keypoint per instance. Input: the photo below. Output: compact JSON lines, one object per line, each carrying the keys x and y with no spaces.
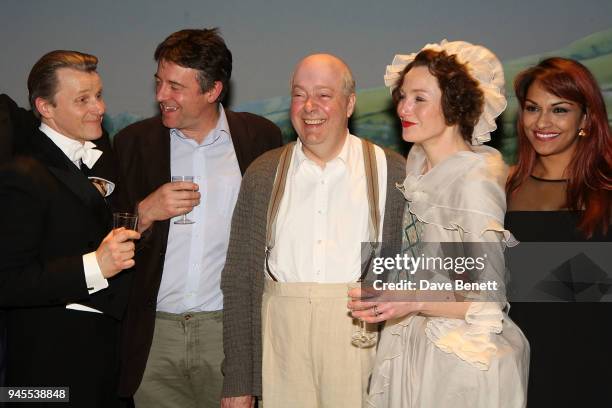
{"x":184,"y":220}
{"x":363,"y":338}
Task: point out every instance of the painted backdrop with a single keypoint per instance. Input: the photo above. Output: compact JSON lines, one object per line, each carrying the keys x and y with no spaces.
{"x":268,"y":37}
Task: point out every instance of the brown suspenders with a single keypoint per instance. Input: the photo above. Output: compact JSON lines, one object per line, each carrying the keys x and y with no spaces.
{"x":278,"y":190}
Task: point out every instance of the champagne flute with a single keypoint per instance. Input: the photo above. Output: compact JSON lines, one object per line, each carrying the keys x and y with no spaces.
{"x":184,"y":220}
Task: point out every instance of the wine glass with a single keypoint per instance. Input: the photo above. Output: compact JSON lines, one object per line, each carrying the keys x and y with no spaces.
{"x":184,"y":220}
{"x":364,"y":337}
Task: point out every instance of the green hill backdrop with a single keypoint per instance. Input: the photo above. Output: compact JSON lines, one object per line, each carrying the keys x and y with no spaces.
{"x":375,"y":119}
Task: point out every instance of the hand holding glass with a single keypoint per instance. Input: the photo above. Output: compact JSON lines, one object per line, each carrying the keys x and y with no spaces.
{"x":364,"y":337}
{"x":184,"y":220}
{"x":126,"y":220}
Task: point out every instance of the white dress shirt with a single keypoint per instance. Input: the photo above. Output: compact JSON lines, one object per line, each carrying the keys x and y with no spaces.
{"x":195,"y":255}
{"x":323,"y":217}
{"x":93,"y":275}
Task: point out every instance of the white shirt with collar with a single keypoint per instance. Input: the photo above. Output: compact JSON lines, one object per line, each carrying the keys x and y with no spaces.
{"x":93,"y":275}
{"x":323,"y":217}
{"x":195,"y":254}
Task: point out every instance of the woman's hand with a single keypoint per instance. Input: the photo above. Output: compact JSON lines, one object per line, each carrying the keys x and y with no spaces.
{"x":377,"y":306}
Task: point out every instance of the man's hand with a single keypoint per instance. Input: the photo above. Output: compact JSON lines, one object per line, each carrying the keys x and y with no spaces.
{"x":244,"y":401}
{"x":169,"y":200}
{"x":116,"y":251}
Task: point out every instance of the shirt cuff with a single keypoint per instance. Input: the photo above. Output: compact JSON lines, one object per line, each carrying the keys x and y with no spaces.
{"x":93,"y":275}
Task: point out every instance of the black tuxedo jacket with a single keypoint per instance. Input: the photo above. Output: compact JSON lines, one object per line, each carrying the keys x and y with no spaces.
{"x":16,"y":127}
{"x":143,"y":157}
{"x":51,"y":215}
{"x":16,"y":124}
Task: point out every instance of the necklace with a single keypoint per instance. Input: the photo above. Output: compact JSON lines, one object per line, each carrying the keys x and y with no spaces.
{"x":548,"y":180}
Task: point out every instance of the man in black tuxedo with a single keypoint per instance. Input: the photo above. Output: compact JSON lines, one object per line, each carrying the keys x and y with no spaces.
{"x":172,"y":345}
{"x":59,"y":268}
{"x":16,"y":126}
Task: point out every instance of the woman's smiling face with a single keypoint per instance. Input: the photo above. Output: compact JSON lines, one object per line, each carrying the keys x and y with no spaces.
{"x":551,"y":123}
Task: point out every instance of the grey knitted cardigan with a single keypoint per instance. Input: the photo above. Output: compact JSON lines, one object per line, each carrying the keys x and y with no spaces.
{"x":242,"y":278}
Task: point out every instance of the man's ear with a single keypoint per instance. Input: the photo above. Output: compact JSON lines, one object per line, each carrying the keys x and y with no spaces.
{"x":44,"y":107}
{"x":214,"y":92}
{"x":351,"y":105}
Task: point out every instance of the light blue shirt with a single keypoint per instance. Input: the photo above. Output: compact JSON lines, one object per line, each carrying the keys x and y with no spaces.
{"x":195,"y":255}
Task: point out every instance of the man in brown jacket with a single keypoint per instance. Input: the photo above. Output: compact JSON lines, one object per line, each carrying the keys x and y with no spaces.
{"x":172,"y":332}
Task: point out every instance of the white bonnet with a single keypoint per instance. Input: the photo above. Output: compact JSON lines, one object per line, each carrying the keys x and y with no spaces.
{"x":482,"y":65}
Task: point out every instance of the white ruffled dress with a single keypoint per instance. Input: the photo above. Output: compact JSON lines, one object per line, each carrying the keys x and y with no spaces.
{"x":479,"y":361}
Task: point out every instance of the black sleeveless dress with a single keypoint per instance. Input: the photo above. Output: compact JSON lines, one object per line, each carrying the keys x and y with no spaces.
{"x":571,"y":343}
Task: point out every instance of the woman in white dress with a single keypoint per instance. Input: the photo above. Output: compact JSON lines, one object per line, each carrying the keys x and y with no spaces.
{"x":454,"y":348}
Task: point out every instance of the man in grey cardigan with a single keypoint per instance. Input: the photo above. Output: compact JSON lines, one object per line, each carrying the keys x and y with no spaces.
{"x":291,"y":263}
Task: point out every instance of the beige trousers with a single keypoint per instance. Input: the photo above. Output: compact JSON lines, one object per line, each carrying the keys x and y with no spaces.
{"x":308,"y":358}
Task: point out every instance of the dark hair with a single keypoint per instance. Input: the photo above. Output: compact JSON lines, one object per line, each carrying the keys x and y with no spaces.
{"x":203,"y":50}
{"x":42,"y":81}
{"x":589,"y":173}
{"x":462,"y":99}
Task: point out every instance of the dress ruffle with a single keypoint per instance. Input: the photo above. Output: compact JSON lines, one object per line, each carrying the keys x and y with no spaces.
{"x":479,"y":207}
{"x":475,"y":208}
{"x":481,"y":360}
{"x":469,"y":339}
{"x":410,"y":370}
{"x":394,"y":350}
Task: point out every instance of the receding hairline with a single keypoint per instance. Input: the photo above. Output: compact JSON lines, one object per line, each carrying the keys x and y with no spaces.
{"x":348,"y":81}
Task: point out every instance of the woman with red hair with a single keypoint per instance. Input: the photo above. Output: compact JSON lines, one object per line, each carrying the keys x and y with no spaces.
{"x":560,"y":191}
{"x":563,"y":138}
